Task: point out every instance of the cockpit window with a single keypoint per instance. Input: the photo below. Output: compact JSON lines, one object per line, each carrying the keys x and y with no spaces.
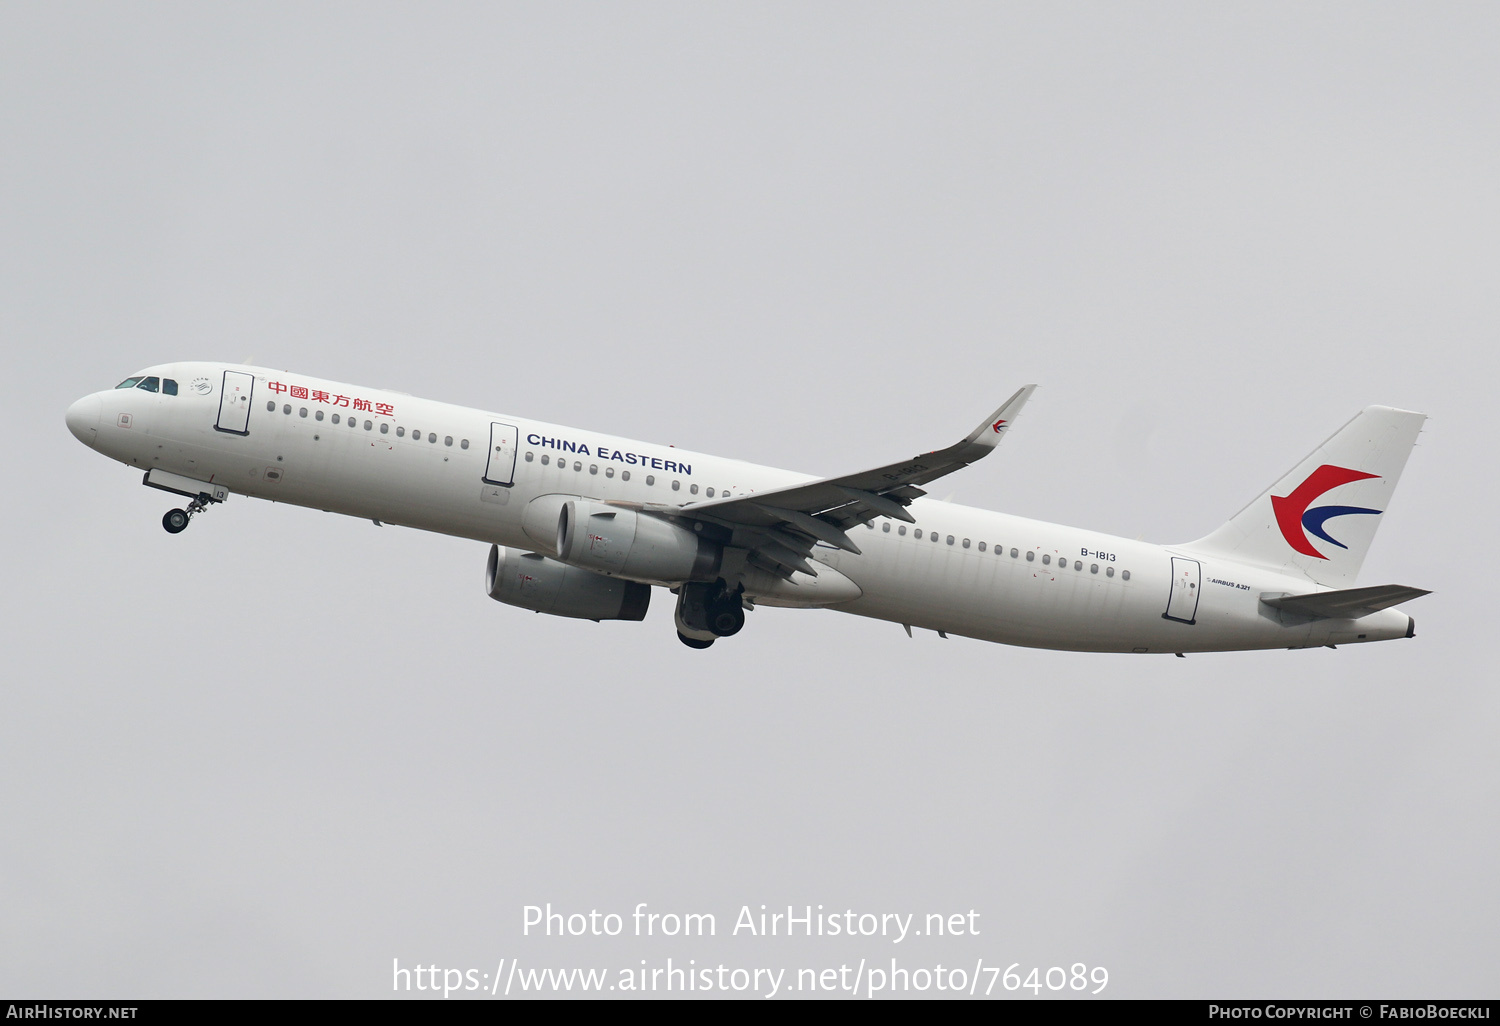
{"x":150,"y":384}
{"x":129,"y":383}
{"x":168,"y":386}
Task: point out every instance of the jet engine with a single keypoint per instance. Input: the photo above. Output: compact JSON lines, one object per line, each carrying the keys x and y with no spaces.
{"x":624,"y":543}
{"x":535,"y":582}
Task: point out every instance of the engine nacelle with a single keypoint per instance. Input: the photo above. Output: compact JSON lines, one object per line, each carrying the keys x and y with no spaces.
{"x":535,"y":582}
{"x":623,"y":543}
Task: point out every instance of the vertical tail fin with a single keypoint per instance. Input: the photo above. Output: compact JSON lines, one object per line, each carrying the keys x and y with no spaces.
{"x":1320,"y":518}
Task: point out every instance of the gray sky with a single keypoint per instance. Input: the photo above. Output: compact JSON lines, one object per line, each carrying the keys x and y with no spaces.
{"x":268,"y":756}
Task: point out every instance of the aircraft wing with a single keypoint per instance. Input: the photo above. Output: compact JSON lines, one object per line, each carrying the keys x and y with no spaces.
{"x":780,"y":527}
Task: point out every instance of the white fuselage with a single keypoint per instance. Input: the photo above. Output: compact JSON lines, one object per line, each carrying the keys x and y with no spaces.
{"x":423,"y":464}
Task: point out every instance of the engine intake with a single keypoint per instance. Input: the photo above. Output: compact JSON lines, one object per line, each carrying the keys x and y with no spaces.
{"x":535,"y":582}
{"x":623,"y":543}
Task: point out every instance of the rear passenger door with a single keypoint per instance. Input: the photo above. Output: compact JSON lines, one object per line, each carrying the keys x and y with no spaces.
{"x":1182,"y":603}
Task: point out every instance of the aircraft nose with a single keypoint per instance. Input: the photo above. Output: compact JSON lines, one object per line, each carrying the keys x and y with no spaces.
{"x":83,"y":418}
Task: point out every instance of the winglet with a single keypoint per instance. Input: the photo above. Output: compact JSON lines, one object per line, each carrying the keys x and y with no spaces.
{"x":987,"y":435}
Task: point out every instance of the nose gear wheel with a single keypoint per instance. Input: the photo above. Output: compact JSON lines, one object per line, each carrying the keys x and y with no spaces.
{"x":176,"y":520}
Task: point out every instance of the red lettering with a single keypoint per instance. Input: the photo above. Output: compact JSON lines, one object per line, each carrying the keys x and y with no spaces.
{"x":341,"y":400}
{"x":362,"y":404}
{"x":298,"y":392}
{"x":319,"y":397}
{"x":385,"y":409}
{"x":277,"y":387}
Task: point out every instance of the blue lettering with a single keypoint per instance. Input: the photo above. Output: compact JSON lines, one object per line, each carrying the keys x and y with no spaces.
{"x":655,"y":463}
{"x":630,"y":458}
{"x":618,"y":456}
{"x":685,"y":468}
{"x":568,"y":447}
{"x":669,"y":465}
{"x":583,"y":450}
{"x":533,"y":440}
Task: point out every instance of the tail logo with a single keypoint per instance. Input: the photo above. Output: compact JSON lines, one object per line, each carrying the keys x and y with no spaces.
{"x":999,"y":425}
{"x":1296,"y":520}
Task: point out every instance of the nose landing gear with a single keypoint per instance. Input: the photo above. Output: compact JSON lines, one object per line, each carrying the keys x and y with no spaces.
{"x":707,"y":612}
{"x":176,"y":520}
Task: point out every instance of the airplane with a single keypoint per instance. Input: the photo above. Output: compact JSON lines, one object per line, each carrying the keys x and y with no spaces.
{"x":585,"y":524}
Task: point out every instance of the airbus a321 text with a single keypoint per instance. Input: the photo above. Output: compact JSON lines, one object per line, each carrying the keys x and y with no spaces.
{"x":585,"y":524}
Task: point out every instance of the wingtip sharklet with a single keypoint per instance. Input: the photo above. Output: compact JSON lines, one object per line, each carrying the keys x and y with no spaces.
{"x":989,"y":433}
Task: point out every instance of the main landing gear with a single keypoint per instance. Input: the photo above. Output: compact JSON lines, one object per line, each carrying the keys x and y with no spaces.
{"x":176,"y":520}
{"x":707,"y":612}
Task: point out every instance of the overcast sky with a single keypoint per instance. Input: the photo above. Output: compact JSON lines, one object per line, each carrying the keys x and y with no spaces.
{"x":270,"y":755}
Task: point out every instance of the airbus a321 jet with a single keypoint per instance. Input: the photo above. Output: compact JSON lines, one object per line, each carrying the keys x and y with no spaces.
{"x":585,"y":524}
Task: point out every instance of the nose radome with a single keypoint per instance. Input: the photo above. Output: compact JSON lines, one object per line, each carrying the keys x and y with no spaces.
{"x":83,"y":418}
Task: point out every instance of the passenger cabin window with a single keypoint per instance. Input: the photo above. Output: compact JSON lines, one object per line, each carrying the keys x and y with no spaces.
{"x":546,"y":459}
{"x":317,"y":415}
{"x":447,"y":439}
{"x":1109,"y":571}
{"x":149,"y":384}
{"x":271,"y":407}
{"x":385,"y":428}
{"x":528,"y":455}
{"x":901,"y":530}
{"x":302,"y":413}
{"x":287,"y":409}
{"x":432,"y":437}
{"x":1046,"y":561}
{"x":464,"y":444}
{"x":885,"y":528}
{"x":624,"y":475}
{"x":709,"y":492}
{"x":168,"y":386}
{"x":1031,"y":557}
{"x":1124,"y":575}
{"x":650,"y":479}
{"x":609,"y":471}
{"x":917,"y":533}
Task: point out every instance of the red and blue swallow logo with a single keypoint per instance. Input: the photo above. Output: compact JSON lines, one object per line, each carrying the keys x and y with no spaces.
{"x":1296,"y":520}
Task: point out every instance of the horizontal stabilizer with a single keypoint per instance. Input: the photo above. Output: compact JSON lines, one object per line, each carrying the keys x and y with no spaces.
{"x":1348,"y":604}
